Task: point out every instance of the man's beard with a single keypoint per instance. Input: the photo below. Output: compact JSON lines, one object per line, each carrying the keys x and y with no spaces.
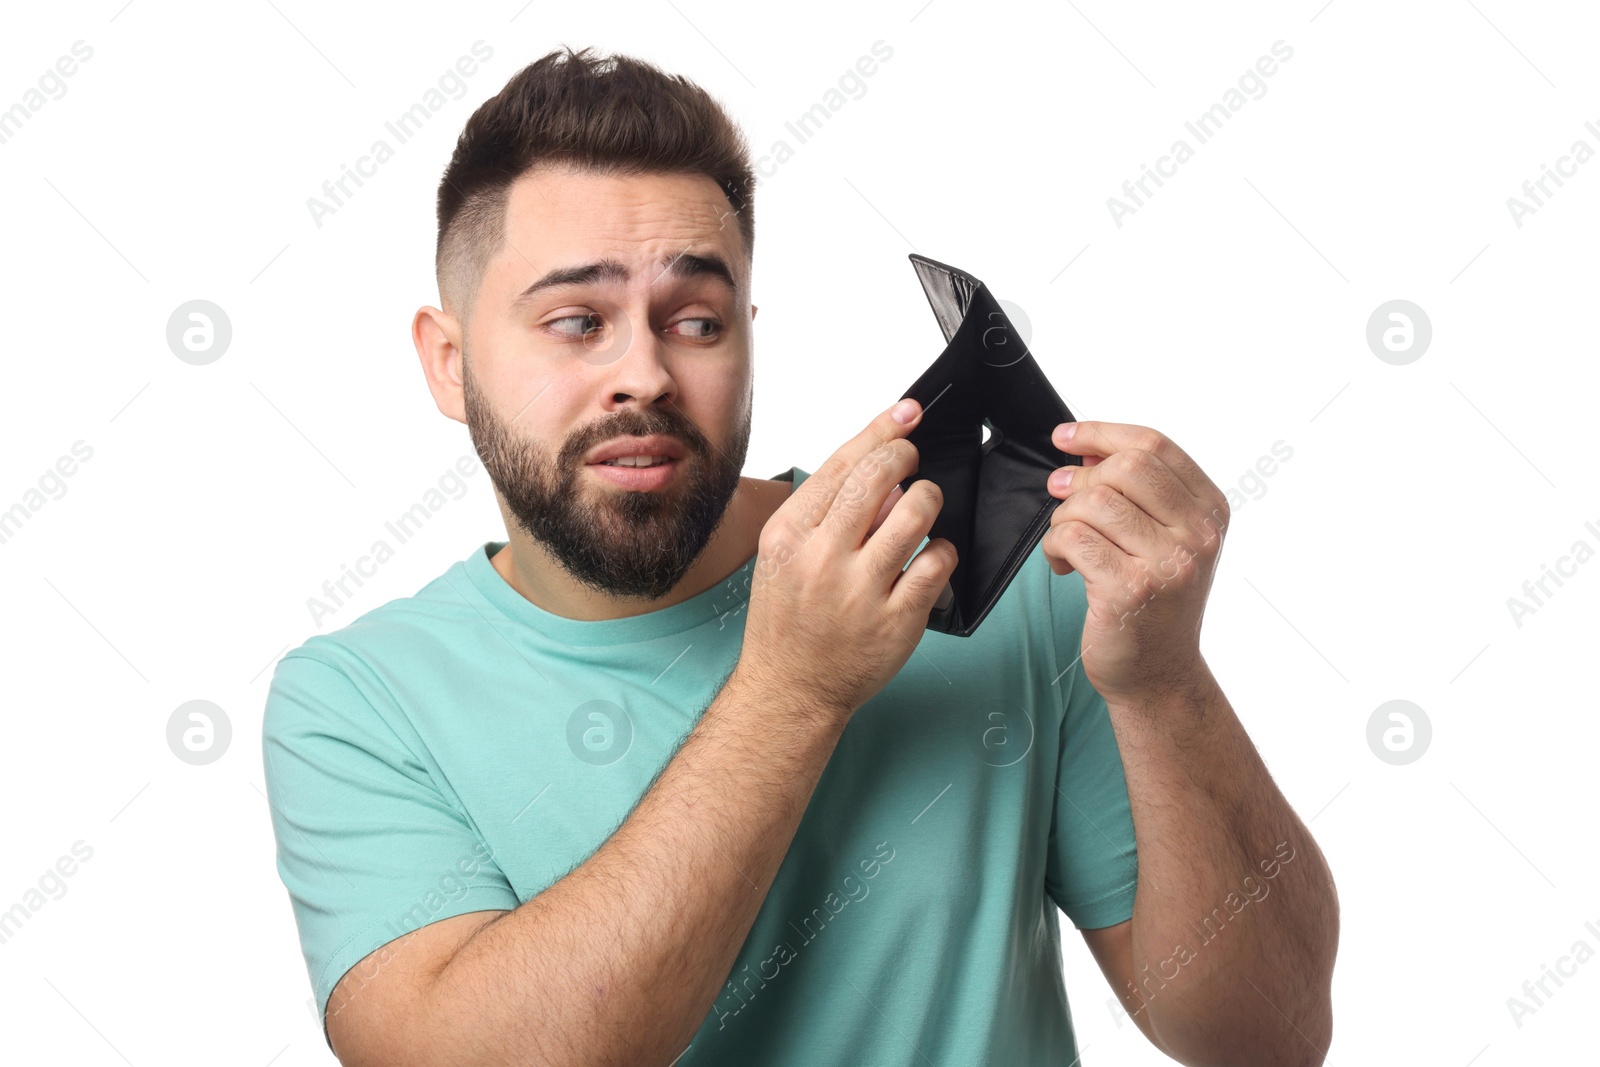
{"x":635,"y":544}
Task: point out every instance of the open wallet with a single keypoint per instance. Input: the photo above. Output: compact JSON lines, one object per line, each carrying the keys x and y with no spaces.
{"x":996,"y":504}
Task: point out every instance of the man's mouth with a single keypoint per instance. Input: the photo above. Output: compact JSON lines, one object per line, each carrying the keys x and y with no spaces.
{"x":639,"y":472}
{"x":635,"y":461}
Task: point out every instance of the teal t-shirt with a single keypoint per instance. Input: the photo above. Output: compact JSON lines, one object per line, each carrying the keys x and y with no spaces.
{"x":462,"y":749}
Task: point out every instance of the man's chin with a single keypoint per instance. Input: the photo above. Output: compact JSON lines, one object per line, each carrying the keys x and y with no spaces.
{"x":639,"y":576}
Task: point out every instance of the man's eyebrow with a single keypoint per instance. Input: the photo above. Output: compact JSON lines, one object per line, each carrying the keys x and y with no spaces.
{"x":679,"y":265}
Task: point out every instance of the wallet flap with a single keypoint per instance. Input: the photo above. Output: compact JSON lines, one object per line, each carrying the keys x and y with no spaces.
{"x":949,"y":292}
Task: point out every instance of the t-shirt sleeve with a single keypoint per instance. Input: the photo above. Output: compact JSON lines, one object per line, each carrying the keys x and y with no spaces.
{"x":1093,"y":865}
{"x":367,"y":845}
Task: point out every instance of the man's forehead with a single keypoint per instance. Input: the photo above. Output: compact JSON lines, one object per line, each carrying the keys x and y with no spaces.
{"x":618,"y":273}
{"x":553,"y":207}
{"x":555,"y":180}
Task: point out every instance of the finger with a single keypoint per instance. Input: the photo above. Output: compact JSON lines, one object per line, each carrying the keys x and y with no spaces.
{"x":814,"y":497}
{"x":1144,"y":479}
{"x":883,"y":513}
{"x":1117,"y":519}
{"x":926,"y":580}
{"x":1085,"y":461}
{"x":865,"y":491}
{"x":886,"y":551}
{"x":1058,"y":564}
{"x":1090,"y":554}
{"x":1104,"y":439}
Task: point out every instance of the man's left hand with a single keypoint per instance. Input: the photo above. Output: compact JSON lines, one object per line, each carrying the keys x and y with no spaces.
{"x":1143,"y":524}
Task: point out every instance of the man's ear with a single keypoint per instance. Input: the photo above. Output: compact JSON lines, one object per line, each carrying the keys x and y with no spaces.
{"x":753,"y":310}
{"x":437,"y":335}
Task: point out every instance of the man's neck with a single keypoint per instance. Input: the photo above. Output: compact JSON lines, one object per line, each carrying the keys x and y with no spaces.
{"x":528,"y":569}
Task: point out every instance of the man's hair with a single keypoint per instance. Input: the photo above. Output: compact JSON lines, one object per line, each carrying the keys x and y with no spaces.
{"x":612,"y":115}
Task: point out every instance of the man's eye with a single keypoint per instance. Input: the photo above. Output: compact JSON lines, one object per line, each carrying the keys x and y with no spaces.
{"x":589,"y":323}
{"x":704,"y":329}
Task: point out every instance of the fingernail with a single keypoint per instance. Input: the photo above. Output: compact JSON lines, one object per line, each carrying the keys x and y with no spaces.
{"x":1060,"y":479}
{"x":1064,"y":434}
{"x":905,"y":411}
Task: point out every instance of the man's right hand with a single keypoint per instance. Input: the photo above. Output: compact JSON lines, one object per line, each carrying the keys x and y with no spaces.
{"x":834,"y":612}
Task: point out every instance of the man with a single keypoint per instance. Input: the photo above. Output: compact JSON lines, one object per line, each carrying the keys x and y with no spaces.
{"x":675,"y":774}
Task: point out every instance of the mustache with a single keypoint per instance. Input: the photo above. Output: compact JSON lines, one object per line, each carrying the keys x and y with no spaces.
{"x":638,"y":424}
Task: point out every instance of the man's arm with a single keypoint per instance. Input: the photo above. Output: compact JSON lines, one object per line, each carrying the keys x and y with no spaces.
{"x":1229,"y":955}
{"x":621,"y":959}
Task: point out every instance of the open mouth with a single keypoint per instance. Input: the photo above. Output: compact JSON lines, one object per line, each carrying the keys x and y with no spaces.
{"x":654,"y":472}
{"x":636,"y":462}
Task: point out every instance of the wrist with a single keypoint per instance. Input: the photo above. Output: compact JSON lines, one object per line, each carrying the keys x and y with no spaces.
{"x":1183,"y":699}
{"x":786,"y":706}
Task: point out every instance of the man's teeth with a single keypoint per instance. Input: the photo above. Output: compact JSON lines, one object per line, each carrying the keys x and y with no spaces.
{"x":636,"y":461}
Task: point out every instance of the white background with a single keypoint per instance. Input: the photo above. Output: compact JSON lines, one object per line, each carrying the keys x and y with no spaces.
{"x":1229,"y":312}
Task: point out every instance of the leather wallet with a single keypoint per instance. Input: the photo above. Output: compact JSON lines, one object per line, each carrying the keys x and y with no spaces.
{"x":996,"y":504}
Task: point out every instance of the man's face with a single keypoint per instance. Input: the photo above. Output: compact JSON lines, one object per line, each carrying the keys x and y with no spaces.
{"x":561,"y":361}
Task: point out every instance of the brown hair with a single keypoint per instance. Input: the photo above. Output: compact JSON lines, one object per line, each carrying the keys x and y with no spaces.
{"x":613,"y":115}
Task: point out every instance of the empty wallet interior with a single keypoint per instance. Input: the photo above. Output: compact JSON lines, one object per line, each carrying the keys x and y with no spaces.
{"x":988,"y":414}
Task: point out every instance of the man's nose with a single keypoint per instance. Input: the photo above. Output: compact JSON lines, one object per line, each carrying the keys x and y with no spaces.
{"x":635,"y":358}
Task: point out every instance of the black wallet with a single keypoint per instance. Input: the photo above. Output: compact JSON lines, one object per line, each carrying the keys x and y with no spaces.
{"x":996,"y":503}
